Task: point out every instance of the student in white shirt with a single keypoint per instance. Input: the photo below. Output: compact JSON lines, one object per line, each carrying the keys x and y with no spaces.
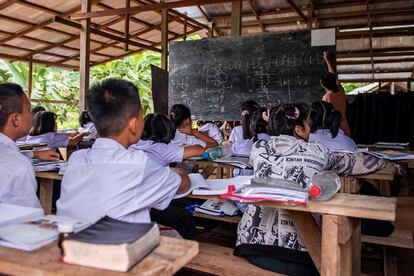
{"x":180,"y":115}
{"x":156,"y":141}
{"x":109,"y":178}
{"x":239,"y":133}
{"x":17,"y":179}
{"x":44,"y":131}
{"x":210,"y":129}
{"x":325,"y":128}
{"x":86,"y":125}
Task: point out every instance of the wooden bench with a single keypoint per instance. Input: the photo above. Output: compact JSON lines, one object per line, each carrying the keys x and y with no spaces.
{"x":219,"y":260}
{"x":399,"y":238}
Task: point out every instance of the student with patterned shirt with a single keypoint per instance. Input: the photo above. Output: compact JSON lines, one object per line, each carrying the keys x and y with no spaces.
{"x":266,"y":236}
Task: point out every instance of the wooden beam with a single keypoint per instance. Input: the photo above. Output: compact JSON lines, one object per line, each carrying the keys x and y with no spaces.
{"x":356,"y":80}
{"x":105,"y":34}
{"x":208,"y":18}
{"x":298,"y":11}
{"x":185,"y":30}
{"x":253,"y":8}
{"x":127,"y":6}
{"x":8,"y":3}
{"x":144,"y":8}
{"x":30,"y":78}
{"x":38,"y":61}
{"x":376,"y":61}
{"x":377,"y":71}
{"x":164,"y":39}
{"x":84,"y":48}
{"x":236,"y":18}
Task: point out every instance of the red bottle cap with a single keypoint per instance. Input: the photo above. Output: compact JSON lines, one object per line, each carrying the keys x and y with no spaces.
{"x":231,"y":189}
{"x":315,"y":191}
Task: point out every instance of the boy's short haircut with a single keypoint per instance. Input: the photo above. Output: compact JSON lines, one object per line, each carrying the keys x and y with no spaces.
{"x":111,"y":104}
{"x":11,"y":101}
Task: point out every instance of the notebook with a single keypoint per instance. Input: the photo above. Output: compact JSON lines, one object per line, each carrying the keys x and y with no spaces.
{"x":218,"y":208}
{"x":111,"y":244}
{"x":12,"y":214}
{"x":35,"y":233}
{"x":238,"y":161}
{"x":201,"y":186}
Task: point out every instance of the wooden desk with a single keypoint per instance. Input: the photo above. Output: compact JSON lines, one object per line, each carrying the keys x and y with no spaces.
{"x":31,"y":146}
{"x":336,"y":250}
{"x":45,"y":182}
{"x":211,"y":166}
{"x":352,"y":183}
{"x":170,"y":256}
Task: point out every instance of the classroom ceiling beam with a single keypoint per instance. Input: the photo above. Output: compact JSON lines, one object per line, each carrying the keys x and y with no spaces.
{"x":256,"y":14}
{"x":376,"y":61}
{"x":84,"y":48}
{"x":38,"y":61}
{"x":376,"y":71}
{"x":298,"y":11}
{"x":208,"y":18}
{"x":164,"y":39}
{"x":105,"y":34}
{"x":236,"y":18}
{"x":373,"y":79}
{"x":145,"y":8}
{"x":8,"y":3}
{"x":126,"y":27}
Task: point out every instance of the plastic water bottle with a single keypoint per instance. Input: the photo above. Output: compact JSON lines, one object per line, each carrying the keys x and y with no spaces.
{"x":218,"y":152}
{"x":323,"y":186}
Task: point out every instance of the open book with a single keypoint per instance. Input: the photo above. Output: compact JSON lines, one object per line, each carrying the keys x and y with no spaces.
{"x":36,"y":233}
{"x":391,"y":155}
{"x":201,"y":186}
{"x":218,"y":208}
{"x":12,"y":214}
{"x":239,"y":161}
{"x":43,"y":166}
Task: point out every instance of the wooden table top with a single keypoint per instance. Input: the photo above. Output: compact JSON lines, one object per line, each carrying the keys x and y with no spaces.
{"x":170,"y":256}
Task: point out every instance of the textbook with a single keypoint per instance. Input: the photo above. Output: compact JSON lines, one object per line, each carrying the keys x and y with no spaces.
{"x":273,"y":190}
{"x":201,"y":186}
{"x":238,"y":161}
{"x":218,"y":208}
{"x":111,"y":244}
{"x":391,"y":155}
{"x":35,"y":233}
{"x":12,"y":214}
{"x":386,"y":145}
{"x":43,"y":166}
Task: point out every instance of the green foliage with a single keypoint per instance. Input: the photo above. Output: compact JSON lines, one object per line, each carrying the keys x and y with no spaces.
{"x":350,"y":86}
{"x":63,"y":85}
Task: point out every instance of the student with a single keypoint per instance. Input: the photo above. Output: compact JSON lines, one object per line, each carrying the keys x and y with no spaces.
{"x":325,"y":123}
{"x":86,"y":125}
{"x":156,"y":140}
{"x":180,"y":115}
{"x":44,"y":131}
{"x":37,"y":109}
{"x":110,"y":179}
{"x":334,"y":93}
{"x":261,"y":237}
{"x":18,"y":183}
{"x":210,"y":129}
{"x":257,"y":129}
{"x":239,"y":133}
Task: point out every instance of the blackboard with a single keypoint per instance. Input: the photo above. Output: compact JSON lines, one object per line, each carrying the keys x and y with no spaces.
{"x":214,"y":76}
{"x":159,"y":85}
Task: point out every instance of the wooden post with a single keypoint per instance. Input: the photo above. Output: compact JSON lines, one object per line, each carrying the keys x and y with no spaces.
{"x":236,"y":16}
{"x":211,"y":29}
{"x":127,"y":5}
{"x":185,"y":30}
{"x":164,"y":39}
{"x":30,"y":81}
{"x":85,"y":37}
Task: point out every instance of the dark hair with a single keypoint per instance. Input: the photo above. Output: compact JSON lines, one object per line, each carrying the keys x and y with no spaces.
{"x":179,"y":113}
{"x":37,"y":109}
{"x":329,"y":82}
{"x":11,"y":101}
{"x":324,"y":116}
{"x":43,"y":122}
{"x":286,"y":117}
{"x":247,"y":110}
{"x":258,"y":124}
{"x":111,"y":104}
{"x":158,"y":128}
{"x":84,"y":118}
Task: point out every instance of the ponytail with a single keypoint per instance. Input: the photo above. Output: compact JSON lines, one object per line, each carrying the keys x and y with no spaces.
{"x":324,"y":116}
{"x":335,"y":123}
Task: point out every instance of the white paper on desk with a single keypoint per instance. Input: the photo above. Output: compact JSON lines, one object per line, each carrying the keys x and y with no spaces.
{"x":241,"y":162}
{"x":12,"y":214}
{"x":35,"y":233}
{"x":201,"y":186}
{"x":43,"y":166}
{"x":393,"y":156}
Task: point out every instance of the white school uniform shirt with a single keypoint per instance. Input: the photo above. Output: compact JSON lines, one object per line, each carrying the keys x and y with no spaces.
{"x":340,"y":142}
{"x":108,"y":179}
{"x":163,"y":153}
{"x":52,"y":139}
{"x":190,"y":140}
{"x":88,"y":127}
{"x":212,"y":131}
{"x":17,"y":178}
{"x":236,"y":134}
{"x":245,"y":146}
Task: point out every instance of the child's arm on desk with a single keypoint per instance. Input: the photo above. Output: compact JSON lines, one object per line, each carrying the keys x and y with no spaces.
{"x":193,"y":151}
